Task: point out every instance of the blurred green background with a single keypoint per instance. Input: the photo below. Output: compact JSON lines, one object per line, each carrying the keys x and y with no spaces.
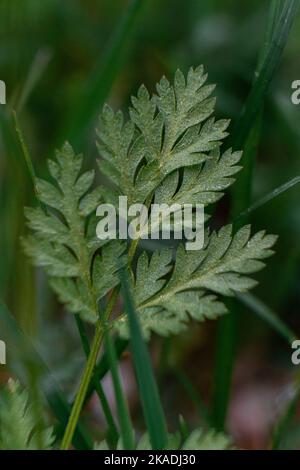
{"x":61,"y":61}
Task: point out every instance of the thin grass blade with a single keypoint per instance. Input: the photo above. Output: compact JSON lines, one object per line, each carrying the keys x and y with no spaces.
{"x":102,"y":78}
{"x":149,"y":395}
{"x":269,"y":197}
{"x":112,"y":433}
{"x":280,"y":21}
{"x":126,"y":429}
{"x":266,"y":74}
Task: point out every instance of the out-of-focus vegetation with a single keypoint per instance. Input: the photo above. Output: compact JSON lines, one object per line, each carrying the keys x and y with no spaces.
{"x":61,"y":61}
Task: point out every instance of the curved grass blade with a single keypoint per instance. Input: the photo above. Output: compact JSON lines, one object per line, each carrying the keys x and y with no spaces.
{"x":126,"y":428}
{"x":287,"y":418}
{"x":149,"y":395}
{"x":268,"y":315}
{"x":268,"y":197}
{"x":266,"y":73}
{"x":38,"y":66}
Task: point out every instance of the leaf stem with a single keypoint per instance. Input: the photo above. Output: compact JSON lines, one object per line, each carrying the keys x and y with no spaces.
{"x":112,"y":428}
{"x":87,"y":374}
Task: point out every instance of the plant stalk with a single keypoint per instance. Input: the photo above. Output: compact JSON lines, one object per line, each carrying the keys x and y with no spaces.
{"x":87,"y":374}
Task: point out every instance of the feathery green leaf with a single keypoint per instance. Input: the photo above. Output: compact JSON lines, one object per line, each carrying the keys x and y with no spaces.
{"x":64,"y":240}
{"x":18,"y":427}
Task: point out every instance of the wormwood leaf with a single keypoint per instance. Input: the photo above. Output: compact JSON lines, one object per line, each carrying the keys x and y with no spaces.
{"x":167,"y":131}
{"x":18,"y":427}
{"x":166,"y":301}
{"x":201,"y":184}
{"x":168,"y":152}
{"x":64,"y":239}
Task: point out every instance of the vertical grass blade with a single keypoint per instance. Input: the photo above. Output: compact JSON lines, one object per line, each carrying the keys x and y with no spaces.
{"x":269,"y":197}
{"x":102,"y":367}
{"x":280,"y":21}
{"x":225,"y":355}
{"x":287,"y":418}
{"x":266,"y":72}
{"x":126,"y":428}
{"x":242,"y":192}
{"x":26,"y":154}
{"x":149,"y":395}
{"x":100,"y":82}
{"x":112,"y":430}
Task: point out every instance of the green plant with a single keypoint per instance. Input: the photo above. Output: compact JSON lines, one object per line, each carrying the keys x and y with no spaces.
{"x":198,"y":439}
{"x":169,"y":151}
{"x":19,"y":426}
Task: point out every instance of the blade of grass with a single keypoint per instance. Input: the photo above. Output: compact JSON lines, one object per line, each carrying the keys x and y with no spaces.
{"x":21,"y":356}
{"x":149,"y":395}
{"x":278,"y":29}
{"x":241,"y":194}
{"x":227,"y":331}
{"x":126,"y":428}
{"x":27,"y":157}
{"x":268,"y":197}
{"x":83,"y":386}
{"x":91,"y":363}
{"x":266,"y":72}
{"x":193,"y":394}
{"x":268,"y":315}
{"x":38,"y":66}
{"x":99,"y":84}
{"x":273,"y":17}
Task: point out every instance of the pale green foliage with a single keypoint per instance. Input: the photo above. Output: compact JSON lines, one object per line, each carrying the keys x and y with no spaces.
{"x":200,"y":184}
{"x":167,"y":152}
{"x":167,"y":293}
{"x":167,"y":131}
{"x":210,"y":440}
{"x":65,"y":242}
{"x":19,"y":429}
{"x":197,"y":440}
